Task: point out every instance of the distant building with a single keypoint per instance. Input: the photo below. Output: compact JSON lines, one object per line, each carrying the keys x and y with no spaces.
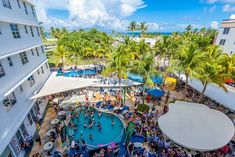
{"x":150,"y":41}
{"x":23,"y":70}
{"x":226,"y":36}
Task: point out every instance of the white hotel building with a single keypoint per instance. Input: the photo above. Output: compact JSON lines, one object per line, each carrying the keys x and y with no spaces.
{"x":23,"y":71}
{"x":226,"y":36}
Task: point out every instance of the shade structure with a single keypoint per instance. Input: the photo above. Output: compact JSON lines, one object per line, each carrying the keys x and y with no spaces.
{"x":56,"y":84}
{"x":138,"y":78}
{"x":196,"y":126}
{"x":135,"y":77}
{"x":156,"y":92}
{"x":170,"y":82}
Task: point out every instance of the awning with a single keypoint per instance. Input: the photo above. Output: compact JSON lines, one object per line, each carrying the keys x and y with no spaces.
{"x":196,"y":126}
{"x":156,"y":92}
{"x":156,"y":79}
{"x":57,"y":84}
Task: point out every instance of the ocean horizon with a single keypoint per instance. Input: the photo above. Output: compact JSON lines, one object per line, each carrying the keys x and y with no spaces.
{"x":134,"y":34}
{"x":137,"y":34}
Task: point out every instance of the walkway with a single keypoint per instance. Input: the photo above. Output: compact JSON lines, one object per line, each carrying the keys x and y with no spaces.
{"x":50,"y":115}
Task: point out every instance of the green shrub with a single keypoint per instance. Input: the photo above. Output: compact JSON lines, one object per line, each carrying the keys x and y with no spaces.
{"x":143,"y":108}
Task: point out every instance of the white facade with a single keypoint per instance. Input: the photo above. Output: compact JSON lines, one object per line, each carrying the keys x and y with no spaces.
{"x":226,"y":36}
{"x":23,"y":71}
{"x":150,"y":41}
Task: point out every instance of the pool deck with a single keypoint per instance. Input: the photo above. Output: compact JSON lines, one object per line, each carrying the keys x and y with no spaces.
{"x":50,"y":115}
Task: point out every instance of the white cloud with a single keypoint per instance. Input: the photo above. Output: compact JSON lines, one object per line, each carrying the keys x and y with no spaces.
{"x":232,"y":16}
{"x":152,"y":26}
{"x":228,"y":7}
{"x":212,"y":1}
{"x":214,"y":24}
{"x":183,"y":26}
{"x":110,"y":14}
{"x":221,"y":1}
{"x":212,"y":8}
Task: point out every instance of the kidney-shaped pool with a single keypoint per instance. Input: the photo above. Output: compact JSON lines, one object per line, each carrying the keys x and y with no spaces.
{"x":112,"y":128}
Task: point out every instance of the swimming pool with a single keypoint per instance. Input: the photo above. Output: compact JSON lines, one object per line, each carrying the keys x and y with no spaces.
{"x":74,"y":73}
{"x":156,"y":79}
{"x":107,"y":135}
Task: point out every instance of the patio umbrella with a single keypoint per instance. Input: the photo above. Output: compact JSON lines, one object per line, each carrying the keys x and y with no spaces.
{"x":156,"y":92}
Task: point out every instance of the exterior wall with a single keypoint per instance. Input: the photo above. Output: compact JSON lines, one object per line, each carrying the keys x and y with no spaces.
{"x":18,"y":15}
{"x":16,"y":76}
{"x":10,"y":45}
{"x":18,"y":71}
{"x":229,"y":46}
{"x":12,"y":119}
{"x":215,"y":92}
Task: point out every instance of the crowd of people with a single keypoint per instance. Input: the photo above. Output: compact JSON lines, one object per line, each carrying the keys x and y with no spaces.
{"x":155,"y":144}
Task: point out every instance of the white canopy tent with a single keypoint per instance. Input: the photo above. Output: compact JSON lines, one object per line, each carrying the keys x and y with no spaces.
{"x":196,"y":126}
{"x":56,"y":84}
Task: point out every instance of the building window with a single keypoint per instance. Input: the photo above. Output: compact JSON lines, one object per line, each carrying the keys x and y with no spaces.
{"x":6,"y":4}
{"x":18,"y":2}
{"x":23,"y":130}
{"x":9,"y":61}
{"x":31,"y":30}
{"x":42,"y":70}
{"x":47,"y":65}
{"x":25,"y":8}
{"x":15,"y":30}
{"x":38,"y":32}
{"x":33,"y":11}
{"x":226,"y":30}
{"x":24,"y":58}
{"x":222,"y":41}
{"x":32,"y":113}
{"x":38,"y":72}
{"x":9,"y":101}
{"x":1,"y":71}
{"x":26,"y":29}
{"x":42,"y":49}
{"x":21,"y":88}
{"x":19,"y":137}
{"x":31,"y":81}
{"x":32,"y":52}
{"x":37,"y":51}
{"x":29,"y":117}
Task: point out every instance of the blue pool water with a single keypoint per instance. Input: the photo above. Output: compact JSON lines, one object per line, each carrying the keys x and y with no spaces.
{"x":108,"y":134}
{"x":74,"y":73}
{"x":138,"y":78}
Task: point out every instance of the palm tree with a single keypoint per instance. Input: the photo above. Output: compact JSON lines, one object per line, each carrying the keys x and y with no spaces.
{"x":143,"y":48}
{"x":212,"y":71}
{"x":189,"y":58}
{"x":60,"y":54}
{"x":189,"y":28}
{"x":143,"y":28}
{"x":118,"y":63}
{"x":145,"y":66}
{"x":42,"y":32}
{"x":76,"y":49}
{"x":132,"y":27}
{"x":58,"y":33}
{"x":163,"y":48}
{"x":228,"y":63}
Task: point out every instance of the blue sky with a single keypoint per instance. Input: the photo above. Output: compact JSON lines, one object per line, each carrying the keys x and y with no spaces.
{"x":161,"y":15}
